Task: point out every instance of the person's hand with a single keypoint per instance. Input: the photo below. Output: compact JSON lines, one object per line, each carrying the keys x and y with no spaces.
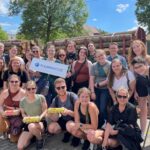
{"x":66,"y":112}
{"x":77,"y":126}
{"x":136,"y":96}
{"x":93,"y":96}
{"x":114,"y":132}
{"x":53,"y":117}
{"x":68,"y":74}
{"x":3,"y":114}
{"x":91,"y":135}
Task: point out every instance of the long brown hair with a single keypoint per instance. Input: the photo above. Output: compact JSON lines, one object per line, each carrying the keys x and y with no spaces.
{"x":111,"y":74}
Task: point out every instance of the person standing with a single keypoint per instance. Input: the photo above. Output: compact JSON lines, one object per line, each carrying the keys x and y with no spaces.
{"x":113,"y":50}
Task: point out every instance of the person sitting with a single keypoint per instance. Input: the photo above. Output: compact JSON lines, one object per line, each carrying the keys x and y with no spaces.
{"x":66,"y":100}
{"x":9,"y":100}
{"x":122,"y":127}
{"x":86,"y":117}
{"x":32,"y":105}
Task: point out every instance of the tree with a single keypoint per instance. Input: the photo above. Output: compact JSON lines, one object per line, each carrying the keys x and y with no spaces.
{"x":3,"y":34}
{"x":143,"y":12}
{"x":44,"y":18}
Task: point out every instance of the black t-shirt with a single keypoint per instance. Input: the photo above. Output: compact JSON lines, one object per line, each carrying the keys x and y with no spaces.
{"x":128,"y":116}
{"x":22,"y":74}
{"x":1,"y":80}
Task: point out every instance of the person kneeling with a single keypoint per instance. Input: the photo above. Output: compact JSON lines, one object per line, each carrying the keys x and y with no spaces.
{"x":86,"y":117}
{"x":33,"y":107}
{"x":63,"y":101}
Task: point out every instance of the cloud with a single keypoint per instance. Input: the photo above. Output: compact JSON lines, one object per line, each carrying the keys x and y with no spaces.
{"x":121,"y":7}
{"x":94,"y":19}
{"x":3,"y":7}
{"x":4,"y":24}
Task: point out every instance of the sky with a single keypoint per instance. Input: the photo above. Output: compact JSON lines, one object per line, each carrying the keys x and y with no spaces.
{"x":108,"y":15}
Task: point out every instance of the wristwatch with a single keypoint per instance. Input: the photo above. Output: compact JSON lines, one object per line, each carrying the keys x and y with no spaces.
{"x":81,"y":125}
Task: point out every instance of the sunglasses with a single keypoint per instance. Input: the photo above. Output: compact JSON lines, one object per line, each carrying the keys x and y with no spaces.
{"x":14,"y":82}
{"x":61,"y":87}
{"x":61,"y":55}
{"x":35,"y":51}
{"x":120,"y":96}
{"x":31,"y":89}
{"x":137,"y":67}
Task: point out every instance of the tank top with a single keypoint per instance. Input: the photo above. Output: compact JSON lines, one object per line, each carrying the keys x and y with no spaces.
{"x":83,"y":75}
{"x":8,"y":101}
{"x":84,"y":118}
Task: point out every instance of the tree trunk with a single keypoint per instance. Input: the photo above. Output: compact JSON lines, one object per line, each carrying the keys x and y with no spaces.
{"x":48,"y":29}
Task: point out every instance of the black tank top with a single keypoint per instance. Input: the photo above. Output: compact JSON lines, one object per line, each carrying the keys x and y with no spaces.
{"x":84,"y":118}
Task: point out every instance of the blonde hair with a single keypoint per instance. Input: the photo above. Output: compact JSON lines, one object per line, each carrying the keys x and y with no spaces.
{"x":100,"y":52}
{"x":84,"y":89}
{"x":31,"y":82}
{"x":123,"y":89}
{"x":59,"y":80}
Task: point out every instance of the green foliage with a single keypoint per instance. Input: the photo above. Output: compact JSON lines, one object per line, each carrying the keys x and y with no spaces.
{"x":3,"y":34}
{"x":143,"y":12}
{"x":50,"y":19}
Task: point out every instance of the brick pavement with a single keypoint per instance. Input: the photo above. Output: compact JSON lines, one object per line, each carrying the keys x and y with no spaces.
{"x":54,"y":143}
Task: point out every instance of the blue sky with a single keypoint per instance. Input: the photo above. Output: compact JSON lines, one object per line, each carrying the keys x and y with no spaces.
{"x":109,"y":15}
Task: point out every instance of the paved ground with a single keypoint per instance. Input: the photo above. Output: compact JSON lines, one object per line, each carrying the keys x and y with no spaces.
{"x":54,"y":143}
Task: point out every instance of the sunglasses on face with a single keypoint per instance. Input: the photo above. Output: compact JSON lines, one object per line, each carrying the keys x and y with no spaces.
{"x":31,"y":89}
{"x":61,"y":87}
{"x":137,"y":67}
{"x":120,"y":96}
{"x":61,"y":55}
{"x":35,"y":51}
{"x":14,"y":82}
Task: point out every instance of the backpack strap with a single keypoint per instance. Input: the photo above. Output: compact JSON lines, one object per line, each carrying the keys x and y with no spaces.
{"x":128,"y":81}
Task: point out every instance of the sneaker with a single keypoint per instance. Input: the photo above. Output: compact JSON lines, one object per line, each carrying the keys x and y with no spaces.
{"x":75,"y":141}
{"x":66,"y":137}
{"x":86,"y":145}
{"x":39,"y":144}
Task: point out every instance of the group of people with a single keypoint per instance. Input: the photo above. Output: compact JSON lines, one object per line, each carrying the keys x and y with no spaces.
{"x":101,"y":96}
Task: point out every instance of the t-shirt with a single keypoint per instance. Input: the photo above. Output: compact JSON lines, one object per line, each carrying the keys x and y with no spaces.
{"x":123,"y":81}
{"x":121,"y":58}
{"x":69,"y":103}
{"x":100,"y":72}
{"x":32,"y":108}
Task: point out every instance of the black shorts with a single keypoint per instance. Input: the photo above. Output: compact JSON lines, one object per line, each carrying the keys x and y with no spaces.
{"x":25,"y":126}
{"x":62,"y":123}
{"x":142,"y":86}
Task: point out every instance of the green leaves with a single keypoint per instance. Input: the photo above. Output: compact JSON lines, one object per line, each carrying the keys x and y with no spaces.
{"x":3,"y":34}
{"x":143,"y":12}
{"x":47,"y":19}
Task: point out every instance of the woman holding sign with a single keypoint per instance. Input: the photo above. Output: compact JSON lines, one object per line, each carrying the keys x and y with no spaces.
{"x":10,"y":118}
{"x":33,"y":107}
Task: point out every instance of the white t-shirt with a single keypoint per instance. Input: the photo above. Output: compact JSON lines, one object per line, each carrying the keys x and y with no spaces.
{"x":123,"y":81}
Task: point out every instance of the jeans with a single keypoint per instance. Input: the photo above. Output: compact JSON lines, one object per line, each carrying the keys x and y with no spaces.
{"x":102,"y":101}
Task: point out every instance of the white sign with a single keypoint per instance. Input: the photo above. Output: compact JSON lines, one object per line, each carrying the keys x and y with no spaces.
{"x":45,"y":66}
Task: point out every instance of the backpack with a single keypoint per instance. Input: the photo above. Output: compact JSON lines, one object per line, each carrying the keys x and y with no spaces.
{"x":70,"y":97}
